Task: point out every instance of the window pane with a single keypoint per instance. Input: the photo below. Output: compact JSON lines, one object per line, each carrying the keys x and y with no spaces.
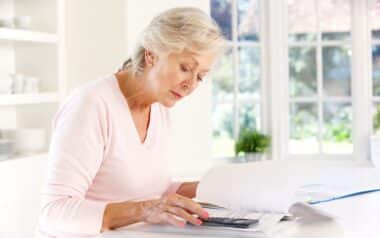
{"x":302,"y":20}
{"x":222,"y":14}
{"x":337,"y":131}
{"x":376,"y":69}
{"x":249,"y":116}
{"x":248,"y":20}
{"x":249,"y":72}
{"x":375,"y":18}
{"x":223,"y":78}
{"x":336,"y":71}
{"x":223,"y":126}
{"x":303,"y":128}
{"x":376,"y":118}
{"x":335,"y":19}
{"x":302,"y":71}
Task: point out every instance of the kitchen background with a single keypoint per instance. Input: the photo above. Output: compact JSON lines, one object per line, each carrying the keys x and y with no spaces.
{"x":305,"y":72}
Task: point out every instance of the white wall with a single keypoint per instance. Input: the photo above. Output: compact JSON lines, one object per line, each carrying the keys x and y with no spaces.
{"x":191,"y":145}
{"x":95,"y":39}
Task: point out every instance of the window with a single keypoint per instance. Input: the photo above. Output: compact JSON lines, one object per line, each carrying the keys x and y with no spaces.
{"x":320,"y":110}
{"x":236,"y":79}
{"x":374,"y":18}
{"x":313,"y":68}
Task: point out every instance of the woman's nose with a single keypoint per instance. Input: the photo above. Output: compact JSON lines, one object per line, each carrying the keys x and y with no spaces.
{"x":188,"y":85}
{"x":185,"y":87}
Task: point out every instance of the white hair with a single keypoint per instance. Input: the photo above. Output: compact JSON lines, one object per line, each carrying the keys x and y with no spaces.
{"x":175,"y":30}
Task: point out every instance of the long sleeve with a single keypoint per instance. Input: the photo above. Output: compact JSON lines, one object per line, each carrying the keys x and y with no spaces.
{"x":76,"y":152}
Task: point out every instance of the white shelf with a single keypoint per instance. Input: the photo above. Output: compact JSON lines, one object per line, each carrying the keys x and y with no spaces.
{"x":21,"y":99}
{"x":27,"y":35}
{"x":42,"y":155}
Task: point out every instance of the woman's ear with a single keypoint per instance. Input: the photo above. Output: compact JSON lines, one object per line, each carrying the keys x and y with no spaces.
{"x":150,"y":58}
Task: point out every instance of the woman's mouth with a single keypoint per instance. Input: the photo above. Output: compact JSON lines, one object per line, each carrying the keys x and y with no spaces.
{"x":176,"y":95}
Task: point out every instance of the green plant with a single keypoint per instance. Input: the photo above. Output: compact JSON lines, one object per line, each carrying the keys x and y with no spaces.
{"x":376,"y":119}
{"x":252,"y":141}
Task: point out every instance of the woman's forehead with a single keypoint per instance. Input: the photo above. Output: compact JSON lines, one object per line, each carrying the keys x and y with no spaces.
{"x":197,"y":57}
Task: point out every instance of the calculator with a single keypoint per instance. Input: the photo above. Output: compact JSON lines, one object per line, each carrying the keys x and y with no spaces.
{"x":229,"y":222}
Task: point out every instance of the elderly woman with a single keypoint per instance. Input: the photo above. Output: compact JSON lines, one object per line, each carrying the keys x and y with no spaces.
{"x":107,"y":164}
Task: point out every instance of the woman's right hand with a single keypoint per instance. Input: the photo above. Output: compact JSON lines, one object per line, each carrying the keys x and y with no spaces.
{"x":173,"y":209}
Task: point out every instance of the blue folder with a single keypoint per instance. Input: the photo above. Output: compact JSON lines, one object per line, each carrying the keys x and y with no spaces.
{"x":344,"y":196}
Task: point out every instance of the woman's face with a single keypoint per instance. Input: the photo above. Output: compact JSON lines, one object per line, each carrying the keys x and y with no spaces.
{"x":174,"y":76}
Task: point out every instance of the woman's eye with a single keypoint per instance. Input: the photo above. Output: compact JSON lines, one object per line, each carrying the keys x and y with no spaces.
{"x":200,"y":79}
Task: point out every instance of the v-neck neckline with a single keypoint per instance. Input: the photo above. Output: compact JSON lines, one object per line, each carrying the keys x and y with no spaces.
{"x":152,"y":119}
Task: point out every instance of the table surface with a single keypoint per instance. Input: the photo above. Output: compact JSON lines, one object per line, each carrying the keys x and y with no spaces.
{"x":353,"y":217}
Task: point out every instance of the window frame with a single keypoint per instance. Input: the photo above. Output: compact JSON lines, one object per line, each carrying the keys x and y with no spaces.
{"x":234,"y":44}
{"x":274,"y":92}
{"x":320,"y":99}
{"x":360,"y":88}
{"x":374,"y":99}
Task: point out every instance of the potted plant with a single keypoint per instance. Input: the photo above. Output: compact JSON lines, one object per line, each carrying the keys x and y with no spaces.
{"x":252,"y":144}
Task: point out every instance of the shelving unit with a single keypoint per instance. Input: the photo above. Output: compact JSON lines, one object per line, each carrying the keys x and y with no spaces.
{"x":23,"y":99}
{"x":20,"y":158}
{"x":11,"y":34}
{"x":34,"y":52}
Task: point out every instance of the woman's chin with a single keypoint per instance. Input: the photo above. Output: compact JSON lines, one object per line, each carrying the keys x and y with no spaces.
{"x":168,"y":103}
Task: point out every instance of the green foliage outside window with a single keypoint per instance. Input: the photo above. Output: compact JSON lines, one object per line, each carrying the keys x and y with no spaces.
{"x":252,"y":141}
{"x":376,"y":119}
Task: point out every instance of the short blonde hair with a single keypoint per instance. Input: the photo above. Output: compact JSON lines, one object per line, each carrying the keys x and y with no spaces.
{"x":175,"y":30}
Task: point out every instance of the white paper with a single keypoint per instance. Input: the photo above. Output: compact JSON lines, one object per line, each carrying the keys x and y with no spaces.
{"x":268,"y":186}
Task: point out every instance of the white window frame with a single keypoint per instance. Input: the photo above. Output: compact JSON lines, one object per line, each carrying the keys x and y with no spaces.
{"x":279,"y":76}
{"x":234,"y":44}
{"x":372,"y":42}
{"x":274,"y":83}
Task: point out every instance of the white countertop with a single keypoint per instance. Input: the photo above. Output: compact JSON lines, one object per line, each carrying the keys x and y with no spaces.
{"x":330,"y":230}
{"x":354,"y":217}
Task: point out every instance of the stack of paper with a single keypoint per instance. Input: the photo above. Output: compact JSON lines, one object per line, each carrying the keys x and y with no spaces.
{"x":276,"y":188}
{"x":268,"y":186}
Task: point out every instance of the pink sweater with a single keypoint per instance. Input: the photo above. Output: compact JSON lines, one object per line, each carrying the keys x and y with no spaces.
{"x":96,"y":157}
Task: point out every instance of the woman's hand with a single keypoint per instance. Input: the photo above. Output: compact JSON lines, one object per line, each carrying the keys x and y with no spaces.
{"x":173,"y":209}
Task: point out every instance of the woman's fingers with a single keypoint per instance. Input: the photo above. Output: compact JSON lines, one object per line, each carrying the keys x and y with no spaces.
{"x":188,"y":204}
{"x":173,"y":220}
{"x":175,"y":210}
{"x":179,"y":212}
